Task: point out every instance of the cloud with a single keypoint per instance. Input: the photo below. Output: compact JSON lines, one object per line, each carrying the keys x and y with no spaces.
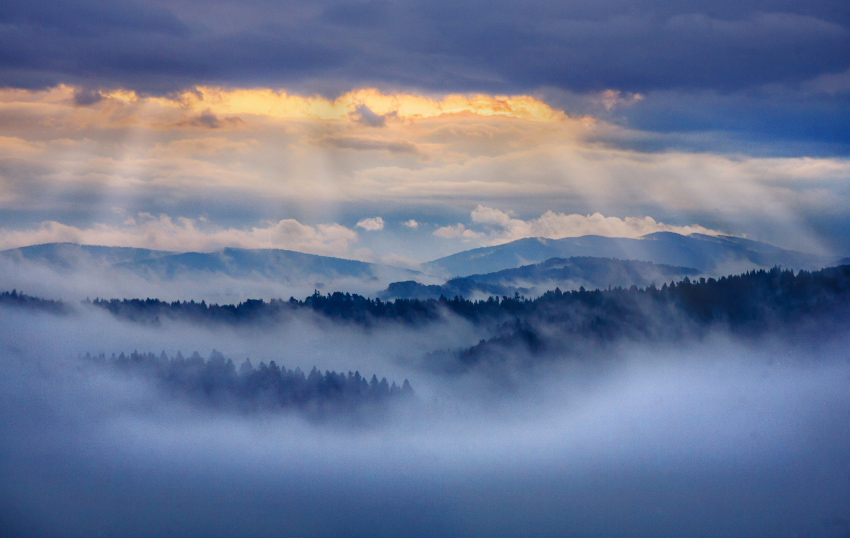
{"x":363,"y":114}
{"x":411,"y":224}
{"x":399,"y":260}
{"x":183,"y":234}
{"x":202,"y":147}
{"x":613,"y":44}
{"x":294,"y":151}
{"x":208,"y":120}
{"x":614,"y":98}
{"x":372,"y":224}
{"x":86,"y":97}
{"x":369,"y":144}
{"x":830,"y":83}
{"x":17,"y":146}
{"x":214,"y":107}
{"x":716,"y":437}
{"x":504,"y":226}
{"x":458,"y":231}
{"x":362,"y":106}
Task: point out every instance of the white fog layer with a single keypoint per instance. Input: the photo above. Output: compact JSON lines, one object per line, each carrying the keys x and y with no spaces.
{"x":710,"y":438}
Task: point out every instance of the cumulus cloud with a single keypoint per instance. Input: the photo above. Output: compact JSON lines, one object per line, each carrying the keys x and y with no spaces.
{"x":503,"y":226}
{"x":183,"y":234}
{"x":458,"y":231}
{"x":371,"y":224}
{"x":411,"y":224}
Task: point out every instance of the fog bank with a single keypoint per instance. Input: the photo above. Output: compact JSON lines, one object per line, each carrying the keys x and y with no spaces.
{"x":716,"y":438}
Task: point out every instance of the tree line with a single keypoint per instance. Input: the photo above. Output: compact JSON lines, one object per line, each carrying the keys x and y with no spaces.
{"x":564,"y":322}
{"x":739,"y":300}
{"x":217,"y":381}
{"x":16,"y":298}
{"x":574,"y":324}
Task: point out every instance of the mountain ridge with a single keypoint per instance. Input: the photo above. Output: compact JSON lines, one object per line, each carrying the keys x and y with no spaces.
{"x":280,"y":265}
{"x":534,"y":279}
{"x":710,"y":254}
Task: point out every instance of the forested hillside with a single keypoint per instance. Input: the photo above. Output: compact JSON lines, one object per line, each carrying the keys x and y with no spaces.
{"x":750,"y":300}
{"x":217,"y":382}
{"x":556,"y":323}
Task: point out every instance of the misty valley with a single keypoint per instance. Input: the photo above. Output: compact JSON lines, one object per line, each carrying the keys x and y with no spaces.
{"x":651,"y":404}
{"x":424,"y":268}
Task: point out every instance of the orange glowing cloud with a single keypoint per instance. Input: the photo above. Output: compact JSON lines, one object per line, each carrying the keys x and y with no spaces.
{"x":205,"y":106}
{"x":281,"y":105}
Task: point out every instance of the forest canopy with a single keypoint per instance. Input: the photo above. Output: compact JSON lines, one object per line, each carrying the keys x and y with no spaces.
{"x":217,"y":382}
{"x":557,"y":323}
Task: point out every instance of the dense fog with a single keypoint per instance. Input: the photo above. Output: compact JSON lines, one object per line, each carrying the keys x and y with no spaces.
{"x":718,"y":436}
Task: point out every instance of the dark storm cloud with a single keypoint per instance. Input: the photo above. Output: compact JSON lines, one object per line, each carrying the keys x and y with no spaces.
{"x":91,"y":16}
{"x":457,"y":45}
{"x":143,"y":47}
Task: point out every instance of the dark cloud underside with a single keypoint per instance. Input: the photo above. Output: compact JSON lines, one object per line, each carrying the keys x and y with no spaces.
{"x":455,"y":46}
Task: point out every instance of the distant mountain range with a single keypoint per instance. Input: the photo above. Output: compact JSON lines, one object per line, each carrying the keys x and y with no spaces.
{"x":535,"y":279}
{"x":712,"y":255}
{"x":528,"y":266}
{"x":279,"y":265}
{"x":72,"y":255}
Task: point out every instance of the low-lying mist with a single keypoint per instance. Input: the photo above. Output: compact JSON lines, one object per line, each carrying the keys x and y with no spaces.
{"x":714,"y":437}
{"x":86,"y":278}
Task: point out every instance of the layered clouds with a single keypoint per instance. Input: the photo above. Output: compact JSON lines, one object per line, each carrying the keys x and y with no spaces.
{"x":181,"y":234}
{"x":257,"y":167}
{"x":770,"y":74}
{"x":712,"y":117}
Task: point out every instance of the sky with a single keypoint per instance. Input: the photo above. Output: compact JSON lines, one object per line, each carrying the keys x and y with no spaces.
{"x":402,"y":131}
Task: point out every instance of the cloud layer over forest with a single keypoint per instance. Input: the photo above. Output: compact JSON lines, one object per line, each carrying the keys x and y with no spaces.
{"x":719,"y":437}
